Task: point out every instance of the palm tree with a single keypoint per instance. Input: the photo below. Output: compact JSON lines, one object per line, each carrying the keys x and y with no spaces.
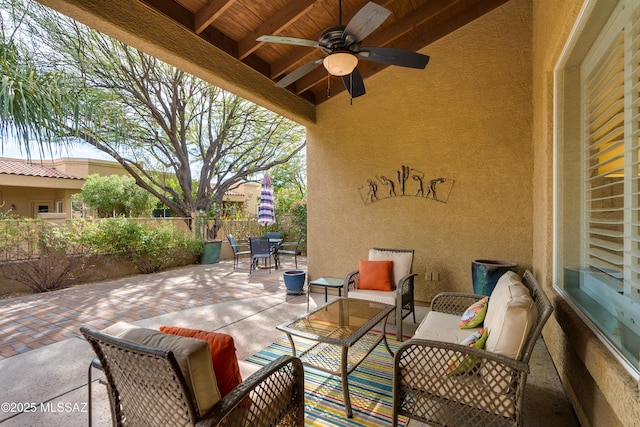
{"x":33,"y":102}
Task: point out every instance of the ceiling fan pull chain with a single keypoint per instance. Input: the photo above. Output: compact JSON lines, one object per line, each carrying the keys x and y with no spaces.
{"x":328,"y":85}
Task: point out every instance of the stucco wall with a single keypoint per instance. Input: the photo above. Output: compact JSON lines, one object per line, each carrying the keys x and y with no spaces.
{"x":601,"y":391}
{"x":467,"y":117}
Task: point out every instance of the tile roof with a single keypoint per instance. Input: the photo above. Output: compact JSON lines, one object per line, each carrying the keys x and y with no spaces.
{"x":26,"y":169}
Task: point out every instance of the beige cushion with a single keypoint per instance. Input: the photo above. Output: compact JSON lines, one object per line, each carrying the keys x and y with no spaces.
{"x":385,"y":297}
{"x":510,"y":316}
{"x":401,"y":262}
{"x":443,"y":327}
{"x":192,"y":355}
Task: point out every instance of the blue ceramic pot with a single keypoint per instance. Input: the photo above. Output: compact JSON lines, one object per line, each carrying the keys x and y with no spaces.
{"x":294,"y":281}
{"x":485,"y":274}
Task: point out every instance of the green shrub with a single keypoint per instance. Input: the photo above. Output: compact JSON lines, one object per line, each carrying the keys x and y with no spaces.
{"x":149,"y":248}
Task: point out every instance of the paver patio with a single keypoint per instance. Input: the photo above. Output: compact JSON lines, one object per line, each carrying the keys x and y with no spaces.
{"x":44,"y":359}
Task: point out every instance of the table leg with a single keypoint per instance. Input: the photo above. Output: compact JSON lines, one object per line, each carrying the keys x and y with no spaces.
{"x":325,"y":293}
{"x":345,"y":383}
{"x":384,"y":336}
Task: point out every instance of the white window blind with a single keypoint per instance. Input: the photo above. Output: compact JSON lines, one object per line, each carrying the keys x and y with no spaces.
{"x":611,"y":102}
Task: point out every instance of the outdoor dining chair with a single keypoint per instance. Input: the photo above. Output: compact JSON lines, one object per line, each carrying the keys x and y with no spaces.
{"x":290,"y":248}
{"x":260,"y":249}
{"x":237,"y":253}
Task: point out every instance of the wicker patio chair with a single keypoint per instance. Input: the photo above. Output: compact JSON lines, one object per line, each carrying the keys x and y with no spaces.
{"x":490,"y":394}
{"x":401,"y":296}
{"x":147,"y":388}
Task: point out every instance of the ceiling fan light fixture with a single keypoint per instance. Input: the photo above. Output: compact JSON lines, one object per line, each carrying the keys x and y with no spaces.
{"x":340,"y":63}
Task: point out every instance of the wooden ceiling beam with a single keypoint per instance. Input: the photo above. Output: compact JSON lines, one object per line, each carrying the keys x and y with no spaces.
{"x":209,"y":13}
{"x":139,"y":25}
{"x":410,"y":22}
{"x":274,"y":25}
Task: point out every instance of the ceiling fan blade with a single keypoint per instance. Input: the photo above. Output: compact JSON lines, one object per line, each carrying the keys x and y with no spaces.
{"x":354,"y":83}
{"x":370,"y":17}
{"x":288,"y":40}
{"x":299,"y":72}
{"x":392,"y":56}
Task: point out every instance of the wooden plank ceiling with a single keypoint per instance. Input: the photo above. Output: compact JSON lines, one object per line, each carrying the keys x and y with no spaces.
{"x":234,"y":25}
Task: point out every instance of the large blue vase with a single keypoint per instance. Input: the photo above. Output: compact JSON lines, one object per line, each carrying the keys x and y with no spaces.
{"x":294,"y":281}
{"x":485,"y":274}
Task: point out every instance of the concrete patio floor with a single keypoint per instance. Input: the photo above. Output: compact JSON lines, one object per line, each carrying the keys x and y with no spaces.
{"x":44,"y":360}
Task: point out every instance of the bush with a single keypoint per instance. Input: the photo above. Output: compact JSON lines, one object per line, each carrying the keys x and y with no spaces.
{"x":60,"y":263}
{"x":149,"y":248}
{"x":60,"y":256}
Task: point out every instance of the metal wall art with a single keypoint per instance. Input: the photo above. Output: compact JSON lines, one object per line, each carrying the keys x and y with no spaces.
{"x":407,"y":182}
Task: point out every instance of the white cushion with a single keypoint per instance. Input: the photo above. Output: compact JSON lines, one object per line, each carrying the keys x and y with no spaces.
{"x":193,"y":356}
{"x":510,"y":316}
{"x":247,"y":369}
{"x":442,"y":327}
{"x":385,"y":297}
{"x":401,"y":262}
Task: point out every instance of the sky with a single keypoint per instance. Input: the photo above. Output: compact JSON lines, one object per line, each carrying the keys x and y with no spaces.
{"x":10,"y":148}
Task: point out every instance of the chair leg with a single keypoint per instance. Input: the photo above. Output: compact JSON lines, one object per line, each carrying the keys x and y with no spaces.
{"x":399,"y":324}
{"x":95,"y":363}
{"x":89,"y":394}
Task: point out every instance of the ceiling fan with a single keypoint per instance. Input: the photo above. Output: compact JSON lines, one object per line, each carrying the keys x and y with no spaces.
{"x":342,"y":46}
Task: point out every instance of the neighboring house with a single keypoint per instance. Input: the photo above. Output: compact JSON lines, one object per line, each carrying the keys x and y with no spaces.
{"x":29,"y":188}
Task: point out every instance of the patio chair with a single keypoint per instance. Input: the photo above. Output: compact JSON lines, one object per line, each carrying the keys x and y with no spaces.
{"x":235,"y":246}
{"x":401,"y":293}
{"x":261,"y":249}
{"x":273,"y":234}
{"x":147,"y":386}
{"x":295,"y":249}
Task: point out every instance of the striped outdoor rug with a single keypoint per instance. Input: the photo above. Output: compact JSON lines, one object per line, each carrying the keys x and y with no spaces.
{"x":370,"y":388}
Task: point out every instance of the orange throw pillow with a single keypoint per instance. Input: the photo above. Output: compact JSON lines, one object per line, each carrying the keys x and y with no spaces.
{"x":223,"y":355}
{"x":375,"y":275}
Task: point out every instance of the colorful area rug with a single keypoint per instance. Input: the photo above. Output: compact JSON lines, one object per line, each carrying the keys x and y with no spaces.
{"x":370,"y":388}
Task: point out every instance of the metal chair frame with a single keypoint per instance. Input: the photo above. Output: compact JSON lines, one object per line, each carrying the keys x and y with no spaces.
{"x":261,"y":249}
{"x":235,"y":247}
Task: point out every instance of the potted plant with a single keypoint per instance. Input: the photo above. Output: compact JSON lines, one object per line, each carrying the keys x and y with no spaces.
{"x":211,"y":246}
{"x":294,"y":281}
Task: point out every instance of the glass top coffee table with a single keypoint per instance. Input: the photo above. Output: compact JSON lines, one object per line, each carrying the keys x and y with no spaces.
{"x":343,"y":333}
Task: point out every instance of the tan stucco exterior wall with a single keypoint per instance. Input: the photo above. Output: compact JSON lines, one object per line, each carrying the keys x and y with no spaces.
{"x":467,"y":117}
{"x":601,"y":391}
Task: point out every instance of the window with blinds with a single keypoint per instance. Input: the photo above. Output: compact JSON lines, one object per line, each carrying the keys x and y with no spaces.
{"x":599,"y":184}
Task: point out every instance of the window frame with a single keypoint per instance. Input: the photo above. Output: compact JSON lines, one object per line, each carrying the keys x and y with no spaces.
{"x":593,"y":26}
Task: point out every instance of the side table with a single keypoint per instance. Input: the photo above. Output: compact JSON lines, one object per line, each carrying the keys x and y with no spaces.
{"x":326,"y":282}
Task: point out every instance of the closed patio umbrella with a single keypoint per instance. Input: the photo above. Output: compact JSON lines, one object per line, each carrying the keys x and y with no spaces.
{"x":266,"y":215}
